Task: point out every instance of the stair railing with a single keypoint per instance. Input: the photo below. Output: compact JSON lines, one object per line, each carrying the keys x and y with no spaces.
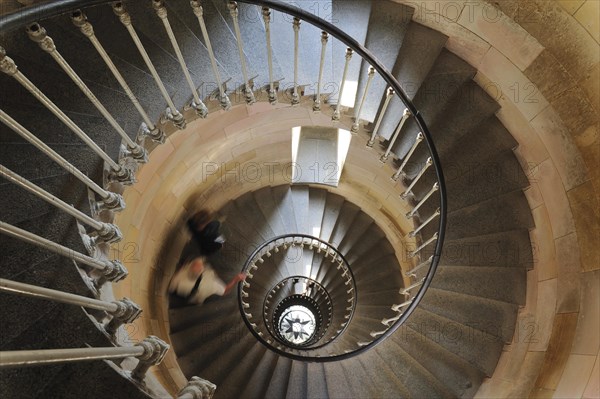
{"x":171,"y":113}
{"x":147,"y":128}
{"x":122,"y":174}
{"x":149,"y":352}
{"x":196,"y":104}
{"x":121,"y":312}
{"x":109,"y":270}
{"x":199,"y":13}
{"x":111,"y":201}
{"x":119,"y":173}
{"x":38,"y":34}
{"x":103,"y":232}
{"x":394,"y":88}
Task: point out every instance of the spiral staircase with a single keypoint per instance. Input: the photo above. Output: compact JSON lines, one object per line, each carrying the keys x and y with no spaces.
{"x":292,"y":239}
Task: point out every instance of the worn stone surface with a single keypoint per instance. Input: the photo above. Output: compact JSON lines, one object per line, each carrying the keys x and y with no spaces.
{"x":549,"y":76}
{"x":569,"y":267}
{"x":586,"y":213}
{"x":502,"y":33}
{"x":588,"y":16}
{"x":587,"y":340}
{"x":558,"y":351}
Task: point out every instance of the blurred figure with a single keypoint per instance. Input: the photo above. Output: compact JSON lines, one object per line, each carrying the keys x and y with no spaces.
{"x":206,"y":232}
{"x":196,"y":280}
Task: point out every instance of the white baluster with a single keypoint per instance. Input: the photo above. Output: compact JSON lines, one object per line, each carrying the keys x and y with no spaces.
{"x":317,"y":103}
{"x":428,"y":163}
{"x":38,"y":34}
{"x":397,"y":308}
{"x":426,"y":243}
{"x":106,"y":232}
{"x":118,"y":172}
{"x":148,"y":128}
{"x":336,"y":112}
{"x":199,"y":13}
{"x":110,"y":200}
{"x":358,"y":111}
{"x":197,"y":104}
{"x":434,"y":188}
{"x":111,"y":270}
{"x":394,"y":137}
{"x":171,"y":113}
{"x":295,"y":95}
{"x":418,"y":139}
{"x":429,"y":219}
{"x":267,"y":19}
{"x":233,"y":10}
{"x":388,"y":97}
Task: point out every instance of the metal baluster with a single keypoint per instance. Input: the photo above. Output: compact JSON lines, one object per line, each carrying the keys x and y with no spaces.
{"x":386,"y":155}
{"x":375,"y":334}
{"x":388,"y":97}
{"x":420,"y":266}
{"x":324,"y":39}
{"x":267,"y":19}
{"x":406,"y":290}
{"x":111,"y":270}
{"x":199,"y":13}
{"x":429,"y":219}
{"x":234,"y":11}
{"x":336,"y":112}
{"x":426,"y":243}
{"x":38,"y":34}
{"x":434,"y":188}
{"x":418,"y":139}
{"x":295,"y":95}
{"x":171,"y":113}
{"x":197,"y":104}
{"x":197,"y":388}
{"x":356,"y":123}
{"x":105,"y":232}
{"x":110,"y":200}
{"x":150,"y":352}
{"x":387,"y":322}
{"x":123,"y":311}
{"x":428,"y":163}
{"x":148,"y":128}
{"x":8,"y":66}
{"x":396,"y":308}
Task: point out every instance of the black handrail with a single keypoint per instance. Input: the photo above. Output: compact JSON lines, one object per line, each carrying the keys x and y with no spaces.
{"x":395,"y":85}
{"x":27,"y":15}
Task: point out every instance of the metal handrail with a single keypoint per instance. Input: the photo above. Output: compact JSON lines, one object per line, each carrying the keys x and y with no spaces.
{"x":395,"y":85}
{"x":49,"y":9}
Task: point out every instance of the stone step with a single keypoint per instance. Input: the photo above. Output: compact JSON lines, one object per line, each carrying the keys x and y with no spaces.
{"x":300,"y":201}
{"x":506,"y":284}
{"x":353,"y":18}
{"x":258,"y":383}
{"x":458,"y":376}
{"x":268,"y":207}
{"x":416,"y":57}
{"x":298,"y":382}
{"x":388,"y":24}
{"x":417,"y":381}
{"x":277,"y":386}
{"x":333,"y":207}
{"x":493,"y":317}
{"x":316,"y":386}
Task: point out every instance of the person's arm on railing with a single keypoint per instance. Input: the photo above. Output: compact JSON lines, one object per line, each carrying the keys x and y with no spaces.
{"x":233,"y":282}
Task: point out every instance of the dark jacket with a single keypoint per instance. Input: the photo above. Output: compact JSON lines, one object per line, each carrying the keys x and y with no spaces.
{"x":209,"y":239}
